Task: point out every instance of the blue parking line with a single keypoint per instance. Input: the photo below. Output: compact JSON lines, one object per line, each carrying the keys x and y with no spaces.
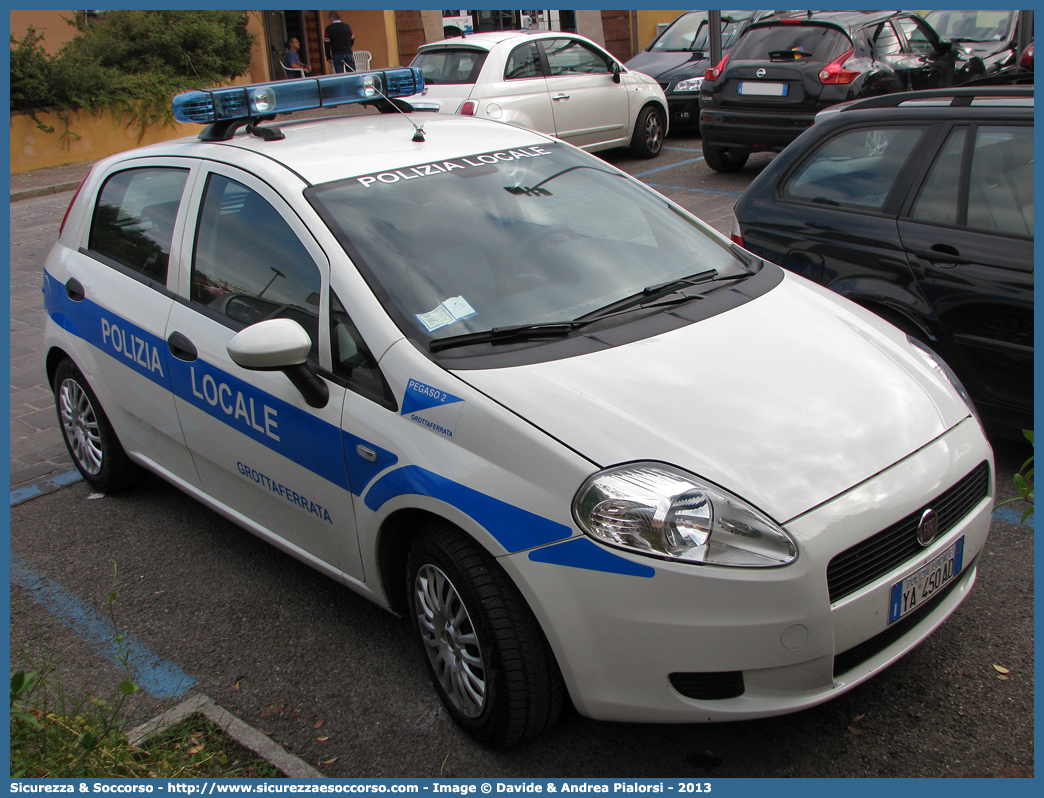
{"x":664,"y":168}
{"x":695,"y":190}
{"x":158,"y":678}
{"x":31,"y":491}
{"x":1006,"y":515}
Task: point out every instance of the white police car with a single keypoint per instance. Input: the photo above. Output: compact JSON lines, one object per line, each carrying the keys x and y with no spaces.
{"x":491,"y":383}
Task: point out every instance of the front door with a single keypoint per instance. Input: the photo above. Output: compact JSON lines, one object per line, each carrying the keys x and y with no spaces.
{"x":589,"y":107}
{"x":260,"y":449}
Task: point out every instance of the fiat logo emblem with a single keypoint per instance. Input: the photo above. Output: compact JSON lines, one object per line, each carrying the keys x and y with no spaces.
{"x":761,"y":73}
{"x":928,"y":528}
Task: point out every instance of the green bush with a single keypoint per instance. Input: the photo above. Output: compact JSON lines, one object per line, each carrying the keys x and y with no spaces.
{"x":130,"y":62}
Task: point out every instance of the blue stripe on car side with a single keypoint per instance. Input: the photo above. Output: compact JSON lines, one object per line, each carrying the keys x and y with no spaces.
{"x":514,"y":528}
{"x":360,"y":471}
{"x":583,"y":553}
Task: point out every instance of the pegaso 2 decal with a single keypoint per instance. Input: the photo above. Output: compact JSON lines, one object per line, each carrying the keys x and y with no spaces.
{"x":431,"y":407}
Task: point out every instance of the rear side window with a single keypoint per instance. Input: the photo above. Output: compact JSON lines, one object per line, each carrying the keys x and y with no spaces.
{"x":524,"y":62}
{"x":855,"y":168}
{"x":133,"y":222}
{"x":450,"y":66}
{"x":786,"y":43}
{"x":1000,"y":189}
{"x":248,"y":264}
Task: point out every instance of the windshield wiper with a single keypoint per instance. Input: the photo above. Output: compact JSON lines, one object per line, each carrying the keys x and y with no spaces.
{"x":650,"y":293}
{"x":504,"y":335}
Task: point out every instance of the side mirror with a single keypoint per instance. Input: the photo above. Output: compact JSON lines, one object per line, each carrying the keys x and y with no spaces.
{"x":944,"y":45}
{"x":280,"y":345}
{"x":616,"y":72}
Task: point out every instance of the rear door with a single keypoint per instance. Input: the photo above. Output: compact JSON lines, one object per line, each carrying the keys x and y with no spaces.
{"x":116,"y":295}
{"x":969,"y":232}
{"x":589,"y":107}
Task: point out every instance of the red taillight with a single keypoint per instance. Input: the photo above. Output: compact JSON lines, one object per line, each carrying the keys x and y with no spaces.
{"x":74,"y":196}
{"x":468,"y":108}
{"x":713,"y":73}
{"x":736,"y":234}
{"x":1026,"y":62}
{"x":834,"y":72}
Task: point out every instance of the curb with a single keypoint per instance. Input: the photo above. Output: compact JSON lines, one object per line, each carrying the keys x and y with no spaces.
{"x":30,"y":193}
{"x":248,"y":737}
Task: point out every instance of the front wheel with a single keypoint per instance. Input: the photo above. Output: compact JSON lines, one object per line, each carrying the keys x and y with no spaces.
{"x":89,"y":436}
{"x":647,"y":140}
{"x":722,"y":160}
{"x":487,"y":656}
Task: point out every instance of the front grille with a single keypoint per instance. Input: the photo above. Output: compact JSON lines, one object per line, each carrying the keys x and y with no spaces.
{"x":709,"y":686}
{"x":887,"y":550}
{"x":857,"y":655}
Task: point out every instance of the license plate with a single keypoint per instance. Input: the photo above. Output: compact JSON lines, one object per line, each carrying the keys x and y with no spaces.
{"x":918,"y":587}
{"x":764,"y":89}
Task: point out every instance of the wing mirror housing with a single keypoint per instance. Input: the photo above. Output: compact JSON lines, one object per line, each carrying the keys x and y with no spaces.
{"x":280,"y":345}
{"x":616,"y":72}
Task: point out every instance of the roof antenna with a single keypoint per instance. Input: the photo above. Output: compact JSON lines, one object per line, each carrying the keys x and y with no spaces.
{"x":194,"y":72}
{"x":398,"y":105}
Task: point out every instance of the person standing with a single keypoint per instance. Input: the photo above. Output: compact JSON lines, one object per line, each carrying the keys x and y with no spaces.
{"x":339,"y":40}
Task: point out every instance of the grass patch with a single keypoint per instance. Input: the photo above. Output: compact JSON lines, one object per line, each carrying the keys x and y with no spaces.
{"x":199,"y":748}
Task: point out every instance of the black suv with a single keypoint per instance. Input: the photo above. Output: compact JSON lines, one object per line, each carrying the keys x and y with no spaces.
{"x":918,"y":206}
{"x":679,"y":57}
{"x":785,"y":69}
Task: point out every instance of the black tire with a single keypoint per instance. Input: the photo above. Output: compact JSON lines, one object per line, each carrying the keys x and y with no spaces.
{"x":88,"y":435}
{"x":721,"y":160}
{"x":649,"y":130}
{"x":488,"y":658}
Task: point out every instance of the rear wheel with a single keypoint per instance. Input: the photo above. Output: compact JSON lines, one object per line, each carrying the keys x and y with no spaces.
{"x":89,"y":436}
{"x":490,"y":662}
{"x":647,"y":140}
{"x":721,"y":160}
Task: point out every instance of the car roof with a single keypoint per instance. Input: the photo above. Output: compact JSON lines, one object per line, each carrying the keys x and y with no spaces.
{"x":324,"y":150}
{"x":844,"y":19}
{"x":490,"y":39}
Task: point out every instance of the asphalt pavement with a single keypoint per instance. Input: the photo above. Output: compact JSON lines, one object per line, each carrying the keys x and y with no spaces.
{"x":222,"y":613}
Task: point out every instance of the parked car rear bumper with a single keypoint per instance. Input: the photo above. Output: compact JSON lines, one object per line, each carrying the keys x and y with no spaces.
{"x":753,"y":129}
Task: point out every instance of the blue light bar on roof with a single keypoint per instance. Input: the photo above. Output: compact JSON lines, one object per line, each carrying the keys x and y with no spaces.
{"x":282,"y":97}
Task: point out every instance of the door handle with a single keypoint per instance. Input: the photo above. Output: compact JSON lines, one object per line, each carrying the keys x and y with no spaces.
{"x":942,"y":254}
{"x":75,"y":290}
{"x":560,"y":96}
{"x":181,"y":347}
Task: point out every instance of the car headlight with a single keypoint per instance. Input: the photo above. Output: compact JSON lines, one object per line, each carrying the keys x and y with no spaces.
{"x":661,"y":511}
{"x":689,"y":84}
{"x":937,"y":363}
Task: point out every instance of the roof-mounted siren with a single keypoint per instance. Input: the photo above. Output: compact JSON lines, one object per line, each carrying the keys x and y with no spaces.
{"x":225,"y":110}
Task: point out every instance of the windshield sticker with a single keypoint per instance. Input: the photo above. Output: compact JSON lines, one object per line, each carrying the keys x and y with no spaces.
{"x":429,"y":169}
{"x":431,"y":407}
{"x":454,"y":309}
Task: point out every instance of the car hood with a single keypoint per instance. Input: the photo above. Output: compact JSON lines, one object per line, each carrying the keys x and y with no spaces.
{"x":669,"y":66}
{"x":787,"y":400}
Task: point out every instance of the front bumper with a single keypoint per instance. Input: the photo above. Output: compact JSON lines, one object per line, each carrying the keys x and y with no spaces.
{"x":684,"y":108}
{"x":689,"y":643}
{"x":752,"y":130}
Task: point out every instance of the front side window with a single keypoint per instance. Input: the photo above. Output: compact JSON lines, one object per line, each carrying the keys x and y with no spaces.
{"x":525,"y":236}
{"x":570,"y":57}
{"x":917,"y":38}
{"x":133,"y":222}
{"x":352,"y":358}
{"x":885,"y":40}
{"x":855,"y":168}
{"x":248,"y":265}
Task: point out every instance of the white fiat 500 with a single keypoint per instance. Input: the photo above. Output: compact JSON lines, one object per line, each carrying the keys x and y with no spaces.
{"x":553,"y":82}
{"x":584,"y":442}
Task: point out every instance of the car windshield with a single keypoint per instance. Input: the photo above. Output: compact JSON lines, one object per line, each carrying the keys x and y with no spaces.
{"x":972,"y":26}
{"x":789,"y":42}
{"x":450,"y":65}
{"x":690,"y":32}
{"x":528,"y":236}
